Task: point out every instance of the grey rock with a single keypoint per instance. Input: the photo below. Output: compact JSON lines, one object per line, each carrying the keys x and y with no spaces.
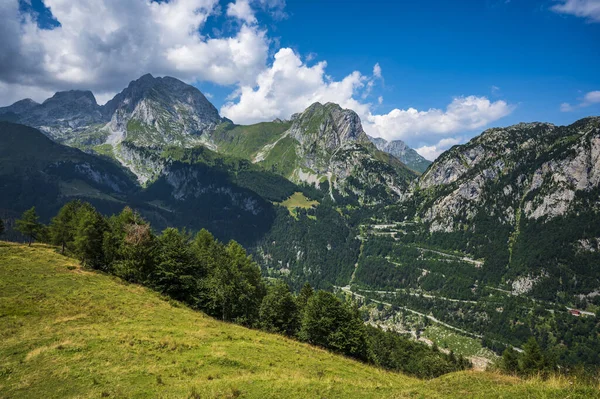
{"x":403,"y":152}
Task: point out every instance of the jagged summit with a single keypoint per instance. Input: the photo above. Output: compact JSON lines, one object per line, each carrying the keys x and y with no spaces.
{"x":61,"y":98}
{"x":162,"y":90}
{"x":157,"y":111}
{"x":327,"y":127}
{"x":403,"y":152}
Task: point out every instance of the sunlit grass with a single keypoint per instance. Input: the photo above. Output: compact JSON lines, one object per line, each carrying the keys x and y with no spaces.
{"x":69,"y":332}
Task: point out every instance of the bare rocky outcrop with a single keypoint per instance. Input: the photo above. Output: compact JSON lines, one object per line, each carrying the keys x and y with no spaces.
{"x":332,"y":145}
{"x":537,"y":168}
{"x":403,"y":152}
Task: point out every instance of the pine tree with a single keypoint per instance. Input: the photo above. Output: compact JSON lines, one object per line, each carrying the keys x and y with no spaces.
{"x":175,"y":274}
{"x":510,"y":361}
{"x":28,"y":224}
{"x":278,"y":310}
{"x":330,"y":323}
{"x":137,"y":252}
{"x":62,"y":226}
{"x":532,"y":360}
{"x":88,"y":236}
{"x":1,"y":227}
{"x":306,"y":292}
{"x":234,"y":286}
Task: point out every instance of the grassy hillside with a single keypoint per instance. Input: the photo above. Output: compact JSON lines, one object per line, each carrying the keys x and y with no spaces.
{"x":247,"y":141}
{"x":68,"y":332}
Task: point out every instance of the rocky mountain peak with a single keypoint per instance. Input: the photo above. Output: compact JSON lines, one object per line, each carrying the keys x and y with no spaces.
{"x":537,"y":170}
{"x":327,"y":126}
{"x":403,"y":152}
{"x":20,"y":106}
{"x":65,"y":98}
{"x":164,"y":94}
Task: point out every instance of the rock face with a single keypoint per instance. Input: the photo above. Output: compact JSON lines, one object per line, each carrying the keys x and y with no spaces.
{"x":329,"y":144}
{"x":150,"y":112}
{"x":535,"y":168}
{"x":159,"y":111}
{"x":403,"y":152}
{"x":525,"y":198}
{"x":64,"y":114}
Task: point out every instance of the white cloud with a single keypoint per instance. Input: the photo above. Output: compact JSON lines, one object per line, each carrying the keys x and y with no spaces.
{"x":590,"y":98}
{"x":589,"y":9}
{"x":377,"y":71}
{"x":431,"y":152}
{"x":274,"y":7}
{"x":380,"y":100}
{"x":593,"y":97}
{"x":241,"y":10}
{"x":103,"y":45}
{"x":290,"y":85}
{"x":566,"y":107}
{"x":462,"y":114}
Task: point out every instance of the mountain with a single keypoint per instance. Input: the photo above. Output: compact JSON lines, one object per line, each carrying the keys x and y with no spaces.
{"x":194,"y":190}
{"x":531,"y":190}
{"x":150,"y":112}
{"x":500,"y":235}
{"x":323,"y":144}
{"x":403,"y":152}
{"x":35,"y":170}
{"x":327,"y":144}
{"x":62,"y":116}
{"x":160,"y":111}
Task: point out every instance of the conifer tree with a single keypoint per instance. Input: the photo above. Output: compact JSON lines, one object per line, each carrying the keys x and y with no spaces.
{"x":28,"y":225}
{"x":62,"y":226}
{"x":279,"y":311}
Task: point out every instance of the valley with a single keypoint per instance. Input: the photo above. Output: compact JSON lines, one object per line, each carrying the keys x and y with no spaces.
{"x":495,"y":242}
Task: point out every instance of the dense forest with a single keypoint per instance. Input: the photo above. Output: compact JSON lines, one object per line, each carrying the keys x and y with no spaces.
{"x":223,"y":281}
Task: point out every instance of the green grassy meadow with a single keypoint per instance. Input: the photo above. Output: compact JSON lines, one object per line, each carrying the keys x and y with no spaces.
{"x":66,"y":332}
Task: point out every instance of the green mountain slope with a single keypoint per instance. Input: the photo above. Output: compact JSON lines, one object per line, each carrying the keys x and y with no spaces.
{"x":499,"y":238}
{"x":198,"y":190}
{"x":327,"y":144}
{"x":246,"y":141}
{"x":34,"y":170}
{"x":68,"y":332}
{"x":525,"y":199}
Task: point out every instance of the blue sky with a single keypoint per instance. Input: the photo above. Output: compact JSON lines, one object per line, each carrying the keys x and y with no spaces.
{"x":447,"y":69}
{"x":537,"y":58}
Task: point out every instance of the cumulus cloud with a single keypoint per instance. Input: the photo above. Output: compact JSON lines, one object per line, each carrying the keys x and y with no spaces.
{"x":462,"y":114}
{"x":290,"y":85}
{"x":590,"y":98}
{"x":593,"y":97}
{"x":377,"y":71}
{"x":431,"y":152}
{"x":241,"y":10}
{"x":589,"y":9}
{"x":102,"y":46}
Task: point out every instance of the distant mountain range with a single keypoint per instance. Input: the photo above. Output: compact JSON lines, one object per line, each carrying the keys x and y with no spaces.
{"x":322,"y":144}
{"x":403,"y":152}
{"x":161,"y":146}
{"x":496,"y":238}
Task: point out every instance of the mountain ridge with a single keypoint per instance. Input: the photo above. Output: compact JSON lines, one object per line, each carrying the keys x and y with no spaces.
{"x":403,"y":152}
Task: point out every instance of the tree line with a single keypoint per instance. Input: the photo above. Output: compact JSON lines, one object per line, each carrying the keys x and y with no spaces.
{"x":221,"y":280}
